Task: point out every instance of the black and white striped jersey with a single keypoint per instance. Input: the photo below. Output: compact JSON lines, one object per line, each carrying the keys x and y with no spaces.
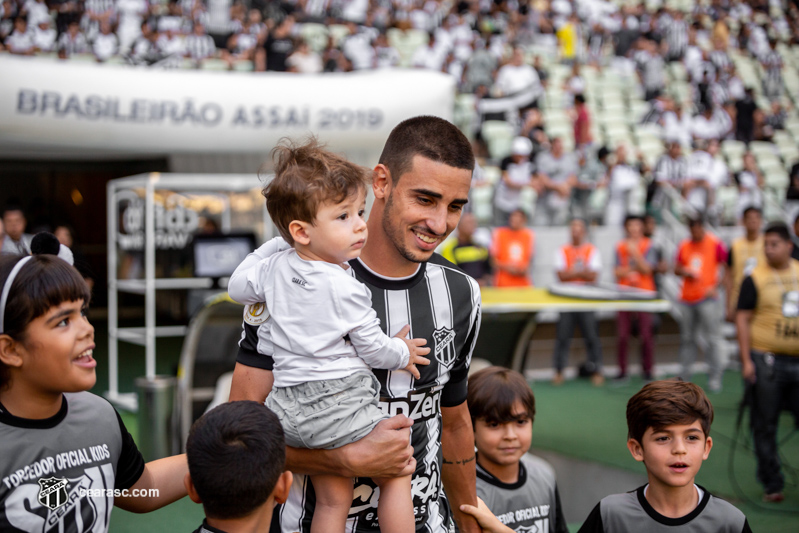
{"x":59,"y":474}
{"x":442,"y":305}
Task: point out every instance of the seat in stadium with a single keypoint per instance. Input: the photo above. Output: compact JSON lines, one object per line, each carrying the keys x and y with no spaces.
{"x":212,"y":63}
{"x":315,"y":35}
{"x":498,"y":135}
{"x":732,"y":148}
{"x":481,"y":203}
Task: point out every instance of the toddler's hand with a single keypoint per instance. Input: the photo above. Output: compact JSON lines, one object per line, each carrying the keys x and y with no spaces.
{"x":416,"y":349}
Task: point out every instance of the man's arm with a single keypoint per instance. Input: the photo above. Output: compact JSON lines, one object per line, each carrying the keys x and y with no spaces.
{"x":458,"y":469}
{"x":385,"y":452}
{"x":250,"y":383}
{"x":747,"y":302}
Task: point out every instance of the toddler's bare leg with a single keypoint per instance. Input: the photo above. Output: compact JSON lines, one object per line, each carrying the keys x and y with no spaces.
{"x":333,"y":501}
{"x":395,"y":508}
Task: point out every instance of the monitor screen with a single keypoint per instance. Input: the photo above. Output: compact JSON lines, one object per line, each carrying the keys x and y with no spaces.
{"x":216,"y":256}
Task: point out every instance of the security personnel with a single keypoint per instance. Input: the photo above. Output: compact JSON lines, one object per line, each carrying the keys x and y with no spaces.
{"x":768,"y":335}
{"x":746,"y":253}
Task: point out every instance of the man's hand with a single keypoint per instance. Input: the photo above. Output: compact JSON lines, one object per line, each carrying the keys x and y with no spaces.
{"x":416,"y":350}
{"x":385,"y":452}
{"x":748,"y":370}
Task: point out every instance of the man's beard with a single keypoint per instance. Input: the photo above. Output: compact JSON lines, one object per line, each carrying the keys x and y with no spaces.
{"x":396,"y":235}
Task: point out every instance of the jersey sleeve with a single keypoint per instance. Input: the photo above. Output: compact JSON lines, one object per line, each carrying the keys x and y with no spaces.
{"x":746,"y":528}
{"x":248,"y":349}
{"x":376,"y":348}
{"x":130,"y":464}
{"x":747,"y":299}
{"x":593,"y":524}
{"x":560,"y":525}
{"x":454,"y":392}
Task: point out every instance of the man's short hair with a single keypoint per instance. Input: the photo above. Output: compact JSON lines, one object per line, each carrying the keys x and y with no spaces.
{"x":751,"y":208}
{"x":695,"y":220}
{"x":630,"y":217}
{"x":492,"y":393}
{"x":430,"y":137}
{"x":12,"y":208}
{"x":307,"y":176}
{"x":779,"y":229}
{"x":236,"y":454}
{"x":664,"y":403}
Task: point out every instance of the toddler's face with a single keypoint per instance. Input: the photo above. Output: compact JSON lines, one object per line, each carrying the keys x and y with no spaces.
{"x":339,"y":230}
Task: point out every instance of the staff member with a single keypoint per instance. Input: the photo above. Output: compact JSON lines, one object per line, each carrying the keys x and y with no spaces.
{"x":745,"y":254}
{"x":768,"y":335}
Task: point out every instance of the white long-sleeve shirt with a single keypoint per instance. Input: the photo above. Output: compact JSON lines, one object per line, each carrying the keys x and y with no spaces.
{"x":323,"y":325}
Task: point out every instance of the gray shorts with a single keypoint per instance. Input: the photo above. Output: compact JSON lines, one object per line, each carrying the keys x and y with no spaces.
{"x":328,"y":413}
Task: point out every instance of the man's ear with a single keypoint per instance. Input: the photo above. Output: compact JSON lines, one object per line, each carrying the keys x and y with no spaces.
{"x":299,"y":232}
{"x":636,"y":449}
{"x":708,"y":447}
{"x":381,"y":182}
{"x":281,"y":490}
{"x":195,"y":497}
{"x":9,"y":353}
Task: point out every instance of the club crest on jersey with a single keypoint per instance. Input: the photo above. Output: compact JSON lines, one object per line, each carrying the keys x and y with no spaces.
{"x":444,"y":339}
{"x":52,"y":492}
{"x":256,"y":314}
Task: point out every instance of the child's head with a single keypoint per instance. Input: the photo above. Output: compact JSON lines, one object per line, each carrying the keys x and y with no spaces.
{"x":669,"y":430}
{"x":502,"y":408}
{"x":310,"y":180}
{"x":45,"y":338}
{"x":237,"y":457}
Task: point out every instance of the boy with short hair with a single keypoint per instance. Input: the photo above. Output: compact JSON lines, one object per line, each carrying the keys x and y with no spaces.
{"x":237,"y":457}
{"x":518,"y":487}
{"x":669,"y":431}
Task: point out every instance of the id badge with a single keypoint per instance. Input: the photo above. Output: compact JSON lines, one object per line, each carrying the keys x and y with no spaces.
{"x":790,"y":304}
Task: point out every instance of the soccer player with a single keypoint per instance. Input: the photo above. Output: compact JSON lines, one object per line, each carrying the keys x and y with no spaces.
{"x":421,"y":184}
{"x":326,"y":335}
{"x":668,"y":429}
{"x":768,"y":336}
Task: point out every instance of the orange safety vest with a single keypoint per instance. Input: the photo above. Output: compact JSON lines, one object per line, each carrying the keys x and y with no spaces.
{"x":702,"y":259}
{"x":635,"y":278}
{"x":578,"y":255}
{"x":514,"y":247}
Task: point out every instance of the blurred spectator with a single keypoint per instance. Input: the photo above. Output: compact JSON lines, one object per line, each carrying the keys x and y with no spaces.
{"x":470,"y":256}
{"x":750,"y":185}
{"x":145,"y":50}
{"x":698,"y":260}
{"x":199,"y":45}
{"x":636,"y":261}
{"x":36,"y":11}
{"x":16,"y":240}
{"x":622,"y":179}
{"x":677,"y":126}
{"x":169,"y":43}
{"x":386,"y":56}
{"x":772,"y":63}
{"x":21,"y":40}
{"x":578,"y":262}
{"x":95,"y":13}
{"x":699,"y":188}
{"x":277,"y":47}
{"x":651,"y":69}
{"x":661,"y":266}
{"x":795,"y":252}
{"x":708,"y":124}
{"x":533,"y":129}
{"x":744,"y":116}
{"x":65,"y":236}
{"x":512,"y":252}
{"x":304,"y":60}
{"x":582,"y":124}
{"x":592,"y":171}
{"x":516,"y":78}
{"x":745,"y":254}
{"x":106,"y":44}
{"x":671,"y":170}
{"x":480,"y":67}
{"x":517,"y":173}
{"x":131,"y":15}
{"x":569,"y":38}
{"x":556,"y":175}
{"x":429,"y":56}
{"x":357,"y":46}
{"x":73,"y":41}
{"x":44,"y":36}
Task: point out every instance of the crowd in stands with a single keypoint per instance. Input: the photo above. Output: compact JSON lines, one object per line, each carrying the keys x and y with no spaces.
{"x":626,"y":105}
